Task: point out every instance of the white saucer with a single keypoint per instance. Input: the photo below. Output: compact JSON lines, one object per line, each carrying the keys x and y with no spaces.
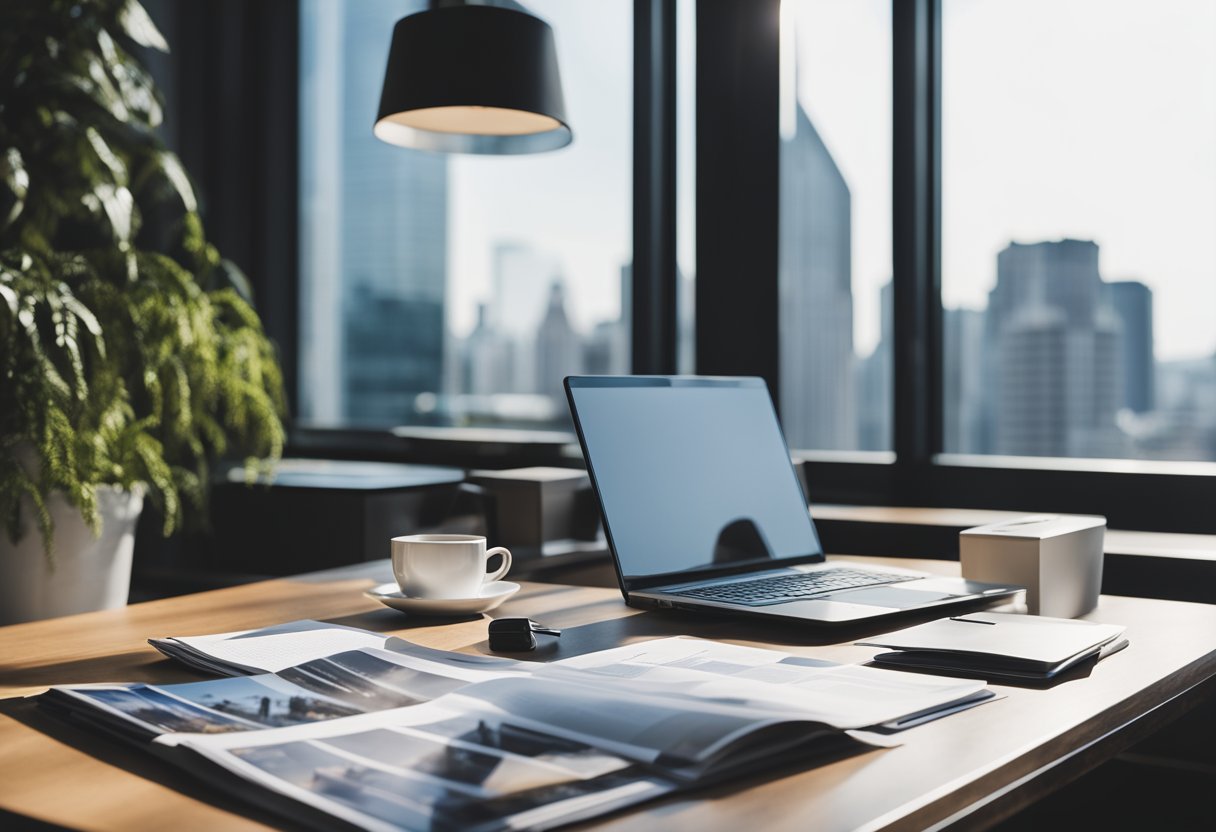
{"x":492,"y":594}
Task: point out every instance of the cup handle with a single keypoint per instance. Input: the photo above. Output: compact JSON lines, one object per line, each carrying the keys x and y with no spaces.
{"x":501,"y":572}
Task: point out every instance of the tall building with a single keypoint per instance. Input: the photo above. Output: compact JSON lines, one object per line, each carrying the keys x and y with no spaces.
{"x":603,"y":351}
{"x":379,"y":247}
{"x":522,"y":279}
{"x":963,"y":429}
{"x":816,"y":295}
{"x":394,"y":348}
{"x":489,"y":358}
{"x":1055,"y":342}
{"x":1183,"y":423}
{"x":1133,"y":304}
{"x":608,"y":349}
{"x":559,"y":350}
{"x":875,"y":382}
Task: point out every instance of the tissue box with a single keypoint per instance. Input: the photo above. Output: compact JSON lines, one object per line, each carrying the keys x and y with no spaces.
{"x":1057,"y":557}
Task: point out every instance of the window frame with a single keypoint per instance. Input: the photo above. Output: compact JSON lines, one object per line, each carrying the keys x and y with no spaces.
{"x":654,"y":275}
{"x":218,"y":108}
{"x":738,"y":79}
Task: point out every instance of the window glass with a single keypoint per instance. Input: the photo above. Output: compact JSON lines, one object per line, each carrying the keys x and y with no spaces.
{"x":835,"y":257}
{"x":455,"y":289}
{"x":686,"y":185}
{"x":1078,"y":252}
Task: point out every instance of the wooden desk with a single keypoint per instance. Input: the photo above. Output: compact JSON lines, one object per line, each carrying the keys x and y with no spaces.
{"x":965,"y":771}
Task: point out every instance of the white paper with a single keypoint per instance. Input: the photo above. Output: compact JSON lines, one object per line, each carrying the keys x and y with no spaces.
{"x":279,"y":648}
{"x":1027,"y":637}
{"x":409,"y":737}
{"x":844,"y":696}
{"x":429,"y":765}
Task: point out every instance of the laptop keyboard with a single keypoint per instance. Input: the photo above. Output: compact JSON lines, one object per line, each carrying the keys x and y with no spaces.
{"x":781,"y":588}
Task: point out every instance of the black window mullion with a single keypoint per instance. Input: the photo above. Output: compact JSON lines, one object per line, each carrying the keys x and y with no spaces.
{"x":915,"y":236}
{"x":738,"y":176}
{"x":652,"y":309}
{"x":931,"y":202}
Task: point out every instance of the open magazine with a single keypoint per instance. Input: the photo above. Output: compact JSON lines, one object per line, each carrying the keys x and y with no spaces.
{"x":399,"y":736}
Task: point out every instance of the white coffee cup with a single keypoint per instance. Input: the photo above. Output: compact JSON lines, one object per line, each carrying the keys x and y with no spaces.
{"x":445,"y":565}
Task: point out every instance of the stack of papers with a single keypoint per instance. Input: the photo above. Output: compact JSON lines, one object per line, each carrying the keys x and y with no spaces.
{"x":1000,"y":646}
{"x":346,"y":725}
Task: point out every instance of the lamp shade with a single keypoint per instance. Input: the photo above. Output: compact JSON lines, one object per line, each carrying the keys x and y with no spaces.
{"x":473,"y":79}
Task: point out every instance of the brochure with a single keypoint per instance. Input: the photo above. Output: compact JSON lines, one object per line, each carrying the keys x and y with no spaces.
{"x":401,"y":736}
{"x":1000,"y":647}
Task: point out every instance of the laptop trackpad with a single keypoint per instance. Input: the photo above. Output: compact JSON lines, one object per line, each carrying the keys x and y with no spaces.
{"x":881,"y":596}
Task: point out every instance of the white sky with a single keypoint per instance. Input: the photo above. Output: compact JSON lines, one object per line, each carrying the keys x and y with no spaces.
{"x":1093,"y":119}
{"x":843,"y":62}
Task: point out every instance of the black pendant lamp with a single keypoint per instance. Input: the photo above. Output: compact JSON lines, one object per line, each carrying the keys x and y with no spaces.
{"x":465,"y":78}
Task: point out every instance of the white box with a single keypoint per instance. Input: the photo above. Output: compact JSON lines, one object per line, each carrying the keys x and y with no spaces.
{"x":1057,"y":557}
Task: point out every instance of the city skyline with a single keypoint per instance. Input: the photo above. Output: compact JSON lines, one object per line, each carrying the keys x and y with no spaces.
{"x":575,"y":204}
{"x":1051,"y":345}
{"x":1048,"y":131}
{"x":510,"y":367}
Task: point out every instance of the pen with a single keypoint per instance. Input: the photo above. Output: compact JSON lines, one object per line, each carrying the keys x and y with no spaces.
{"x":970,"y":620}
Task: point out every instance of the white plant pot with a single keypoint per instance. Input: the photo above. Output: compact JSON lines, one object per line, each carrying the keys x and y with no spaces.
{"x":89,"y":573}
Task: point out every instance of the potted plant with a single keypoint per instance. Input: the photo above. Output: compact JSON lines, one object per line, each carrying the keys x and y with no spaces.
{"x":130,"y":357}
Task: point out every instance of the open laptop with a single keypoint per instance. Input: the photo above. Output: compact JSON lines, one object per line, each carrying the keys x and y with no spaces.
{"x":703,"y":511}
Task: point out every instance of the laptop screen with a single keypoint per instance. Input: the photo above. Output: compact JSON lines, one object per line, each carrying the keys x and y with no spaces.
{"x":692,"y":474}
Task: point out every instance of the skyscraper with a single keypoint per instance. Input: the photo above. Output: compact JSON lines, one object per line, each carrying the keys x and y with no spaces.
{"x":378,"y":248}
{"x":608,"y":348}
{"x":816,"y":295}
{"x":1183,"y":424}
{"x":559,"y":350}
{"x":603,"y":350}
{"x":963,"y":368}
{"x":394,"y":347}
{"x":489,"y":358}
{"x":1055,"y":342}
{"x":875,"y":382}
{"x":522,"y":278}
{"x":1133,"y":304}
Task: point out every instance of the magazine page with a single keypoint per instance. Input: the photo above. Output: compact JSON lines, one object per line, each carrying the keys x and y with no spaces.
{"x":844,"y":696}
{"x":668,"y":728}
{"x":271,"y":649}
{"x":372,"y":679}
{"x":354,"y":682}
{"x":433,"y":767}
{"x":268,"y":649}
{"x":682,"y":736}
{"x":399,"y":736}
{"x":419,"y":738}
{"x":239,"y":703}
{"x":448,"y":657}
